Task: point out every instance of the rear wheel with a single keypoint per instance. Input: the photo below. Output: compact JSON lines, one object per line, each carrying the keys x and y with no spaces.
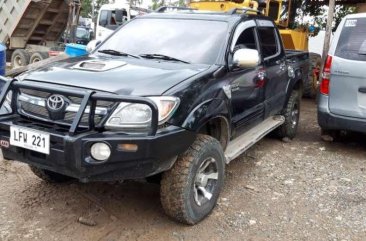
{"x":292,"y":117}
{"x":19,"y":58}
{"x":189,"y":191}
{"x":49,"y":176}
{"x":38,"y":56}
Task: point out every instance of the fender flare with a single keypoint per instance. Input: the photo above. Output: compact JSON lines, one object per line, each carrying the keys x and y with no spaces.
{"x":206,"y":111}
{"x":291,"y":85}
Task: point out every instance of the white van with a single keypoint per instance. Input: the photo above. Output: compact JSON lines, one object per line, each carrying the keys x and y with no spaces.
{"x":110,"y":17}
{"x":342,"y":98}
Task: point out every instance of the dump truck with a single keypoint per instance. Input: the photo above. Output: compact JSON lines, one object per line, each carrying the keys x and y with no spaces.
{"x":31,"y":29}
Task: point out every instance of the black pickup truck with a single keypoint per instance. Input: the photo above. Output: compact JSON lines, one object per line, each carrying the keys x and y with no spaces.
{"x":169,"y":95}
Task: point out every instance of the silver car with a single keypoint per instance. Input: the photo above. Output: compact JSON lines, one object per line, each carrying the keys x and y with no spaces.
{"x":342,"y":98}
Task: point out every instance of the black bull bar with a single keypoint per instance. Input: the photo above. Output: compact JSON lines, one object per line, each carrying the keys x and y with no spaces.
{"x":89,"y":98}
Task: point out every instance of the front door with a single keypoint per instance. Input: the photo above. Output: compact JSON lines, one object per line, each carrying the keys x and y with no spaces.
{"x":246,"y":86}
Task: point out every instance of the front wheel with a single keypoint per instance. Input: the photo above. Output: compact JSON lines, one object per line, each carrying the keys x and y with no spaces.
{"x":189,"y":191}
{"x":292,"y":117}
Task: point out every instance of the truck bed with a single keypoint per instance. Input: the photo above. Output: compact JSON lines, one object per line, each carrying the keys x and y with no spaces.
{"x":290,"y":53}
{"x":39,"y":22}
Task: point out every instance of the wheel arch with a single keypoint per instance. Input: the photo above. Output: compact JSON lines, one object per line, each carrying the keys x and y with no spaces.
{"x":211,"y":118}
{"x":295,"y":84}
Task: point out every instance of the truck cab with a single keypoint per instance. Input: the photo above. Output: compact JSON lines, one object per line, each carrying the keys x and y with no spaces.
{"x":110,"y":17}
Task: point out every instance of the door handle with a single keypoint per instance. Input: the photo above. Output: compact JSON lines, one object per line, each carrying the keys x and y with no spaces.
{"x":362,"y":90}
{"x":260,"y":79}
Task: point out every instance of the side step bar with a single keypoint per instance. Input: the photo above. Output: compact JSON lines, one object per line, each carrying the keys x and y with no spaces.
{"x":242,"y":143}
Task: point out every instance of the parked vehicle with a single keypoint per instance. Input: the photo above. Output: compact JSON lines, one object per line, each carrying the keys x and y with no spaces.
{"x":342,"y":98}
{"x":31,"y":29}
{"x":112,"y":16}
{"x":83,"y":35}
{"x":172,"y":94}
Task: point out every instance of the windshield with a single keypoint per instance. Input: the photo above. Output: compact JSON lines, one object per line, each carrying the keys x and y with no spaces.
{"x":194,"y":41}
{"x":82,"y":33}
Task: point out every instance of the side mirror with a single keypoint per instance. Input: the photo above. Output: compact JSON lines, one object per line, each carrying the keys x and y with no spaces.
{"x":92,"y":45}
{"x":246,"y":58}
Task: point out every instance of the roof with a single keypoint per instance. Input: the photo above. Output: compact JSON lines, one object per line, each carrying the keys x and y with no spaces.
{"x":356,"y":15}
{"x":202,"y":15}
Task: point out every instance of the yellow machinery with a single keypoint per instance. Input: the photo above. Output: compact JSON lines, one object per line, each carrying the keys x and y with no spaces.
{"x":283,"y":15}
{"x":278,"y":10}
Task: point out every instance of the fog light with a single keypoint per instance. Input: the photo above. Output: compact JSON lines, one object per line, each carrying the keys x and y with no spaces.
{"x":100,"y":151}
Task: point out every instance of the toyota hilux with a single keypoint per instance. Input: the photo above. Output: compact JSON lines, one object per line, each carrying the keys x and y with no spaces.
{"x":170,"y":95}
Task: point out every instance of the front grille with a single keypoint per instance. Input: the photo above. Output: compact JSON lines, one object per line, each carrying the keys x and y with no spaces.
{"x":34,"y":109}
{"x":73,"y":99}
{"x":37,"y":109}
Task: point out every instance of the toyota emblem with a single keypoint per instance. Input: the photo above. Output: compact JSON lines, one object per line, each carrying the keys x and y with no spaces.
{"x":55,"y":102}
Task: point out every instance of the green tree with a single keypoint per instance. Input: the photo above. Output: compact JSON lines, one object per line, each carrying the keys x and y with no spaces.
{"x":86,"y":7}
{"x":320,"y":13}
{"x":157,"y":4}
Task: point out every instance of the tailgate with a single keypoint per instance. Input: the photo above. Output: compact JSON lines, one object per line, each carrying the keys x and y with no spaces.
{"x":348,"y":88}
{"x":347,"y":95}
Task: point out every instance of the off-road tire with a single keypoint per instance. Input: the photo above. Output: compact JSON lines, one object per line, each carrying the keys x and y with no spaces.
{"x":48,"y":176}
{"x":177,"y":184}
{"x":311,"y":85}
{"x":19,"y":58}
{"x":289,"y":129}
{"x":38,"y":56}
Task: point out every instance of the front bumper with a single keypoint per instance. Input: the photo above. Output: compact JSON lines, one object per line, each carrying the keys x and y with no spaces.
{"x":329,"y":121}
{"x":69,"y":154}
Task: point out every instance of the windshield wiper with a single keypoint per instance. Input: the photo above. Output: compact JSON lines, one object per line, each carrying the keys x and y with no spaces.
{"x":117,"y":53}
{"x":163,"y":57}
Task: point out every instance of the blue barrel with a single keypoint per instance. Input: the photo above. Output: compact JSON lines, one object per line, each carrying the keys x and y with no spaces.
{"x":74,"y":50}
{"x":2,"y":59}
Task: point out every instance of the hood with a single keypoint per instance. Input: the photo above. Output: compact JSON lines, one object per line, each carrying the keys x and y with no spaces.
{"x":120,"y":75}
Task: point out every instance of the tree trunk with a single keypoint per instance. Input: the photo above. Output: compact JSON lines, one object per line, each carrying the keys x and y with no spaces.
{"x":328,"y":31}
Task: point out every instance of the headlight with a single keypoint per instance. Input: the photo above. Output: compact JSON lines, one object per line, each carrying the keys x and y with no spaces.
{"x":138,"y":116}
{"x":8,"y":97}
{"x":6,"y":108}
{"x":166,"y":106}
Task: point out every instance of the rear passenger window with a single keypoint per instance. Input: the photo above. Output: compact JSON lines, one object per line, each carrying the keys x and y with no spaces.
{"x":352,"y":37}
{"x":268,"y":42}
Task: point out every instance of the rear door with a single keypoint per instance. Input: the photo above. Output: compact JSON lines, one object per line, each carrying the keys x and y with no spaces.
{"x":275,"y":67}
{"x":347,"y":95}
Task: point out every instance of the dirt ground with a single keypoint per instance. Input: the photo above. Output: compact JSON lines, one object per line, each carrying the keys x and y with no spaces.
{"x":303,"y":190}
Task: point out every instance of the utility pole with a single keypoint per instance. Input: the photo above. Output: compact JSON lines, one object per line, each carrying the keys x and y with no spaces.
{"x":328,"y":30}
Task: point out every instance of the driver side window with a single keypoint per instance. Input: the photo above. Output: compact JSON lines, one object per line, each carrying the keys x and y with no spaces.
{"x":246,"y":40}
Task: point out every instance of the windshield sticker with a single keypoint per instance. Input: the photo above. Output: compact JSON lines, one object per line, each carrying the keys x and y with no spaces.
{"x":351,"y":23}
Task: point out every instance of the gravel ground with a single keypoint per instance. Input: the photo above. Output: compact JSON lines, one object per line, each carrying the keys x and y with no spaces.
{"x":302,"y":190}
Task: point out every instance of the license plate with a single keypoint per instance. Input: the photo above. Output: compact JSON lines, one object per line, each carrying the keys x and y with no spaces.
{"x":30,"y":139}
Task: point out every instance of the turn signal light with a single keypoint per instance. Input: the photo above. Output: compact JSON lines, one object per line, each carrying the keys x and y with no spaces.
{"x":324,"y":86}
